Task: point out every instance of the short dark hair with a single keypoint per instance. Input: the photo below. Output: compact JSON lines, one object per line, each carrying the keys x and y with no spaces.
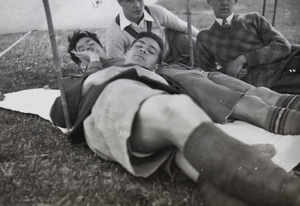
{"x":153,"y":36}
{"x":73,"y":40}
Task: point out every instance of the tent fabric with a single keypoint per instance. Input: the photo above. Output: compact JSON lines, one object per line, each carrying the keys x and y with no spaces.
{"x":23,"y":16}
{"x":39,"y":102}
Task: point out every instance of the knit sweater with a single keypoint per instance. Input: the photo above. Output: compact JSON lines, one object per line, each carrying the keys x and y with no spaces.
{"x":119,"y":41}
{"x":250,"y":35}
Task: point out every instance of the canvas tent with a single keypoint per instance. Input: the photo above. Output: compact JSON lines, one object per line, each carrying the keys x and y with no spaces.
{"x":23,"y":16}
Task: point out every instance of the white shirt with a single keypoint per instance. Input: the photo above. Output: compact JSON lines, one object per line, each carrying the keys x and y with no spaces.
{"x":125,"y":22}
{"x":228,"y":19}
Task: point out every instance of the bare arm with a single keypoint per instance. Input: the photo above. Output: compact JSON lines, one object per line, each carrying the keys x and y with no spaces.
{"x":170,"y":20}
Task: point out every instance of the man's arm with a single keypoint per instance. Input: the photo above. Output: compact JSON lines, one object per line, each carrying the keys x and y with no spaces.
{"x":170,"y":20}
{"x":205,"y":59}
{"x":275,"y":48}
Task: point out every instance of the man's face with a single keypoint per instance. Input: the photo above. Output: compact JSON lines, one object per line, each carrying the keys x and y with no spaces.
{"x":133,"y":9}
{"x":88,"y":44}
{"x":222,"y":8}
{"x":144,"y":52}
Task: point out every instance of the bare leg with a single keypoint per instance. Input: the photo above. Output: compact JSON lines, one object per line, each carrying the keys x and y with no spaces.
{"x":228,"y":168}
{"x":274,"y":119}
{"x":164,"y":121}
{"x":251,"y":109}
{"x":265,"y":94}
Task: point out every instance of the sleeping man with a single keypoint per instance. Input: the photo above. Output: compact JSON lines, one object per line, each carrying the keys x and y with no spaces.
{"x":130,"y":115}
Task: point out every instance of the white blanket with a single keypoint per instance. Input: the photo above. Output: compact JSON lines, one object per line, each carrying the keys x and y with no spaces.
{"x":39,"y":102}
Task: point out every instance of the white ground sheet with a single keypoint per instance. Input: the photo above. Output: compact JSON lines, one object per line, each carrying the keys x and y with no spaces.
{"x":39,"y":102}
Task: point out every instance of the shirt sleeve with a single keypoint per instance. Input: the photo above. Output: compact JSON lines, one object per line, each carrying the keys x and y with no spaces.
{"x":94,"y":66}
{"x":205,"y":59}
{"x":275,"y":48}
{"x":115,"y":44}
{"x":171,"y":21}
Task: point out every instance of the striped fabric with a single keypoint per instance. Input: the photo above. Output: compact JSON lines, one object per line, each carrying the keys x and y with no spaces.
{"x":291,"y":102}
{"x":283,"y":121}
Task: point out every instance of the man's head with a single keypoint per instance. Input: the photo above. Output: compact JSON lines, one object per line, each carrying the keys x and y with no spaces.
{"x":146,"y":50}
{"x":133,"y":9}
{"x":81,"y":41}
{"x":222,"y":8}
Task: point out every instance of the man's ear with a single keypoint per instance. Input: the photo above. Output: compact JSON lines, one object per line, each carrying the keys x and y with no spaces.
{"x":82,"y":66}
{"x":156,"y":67}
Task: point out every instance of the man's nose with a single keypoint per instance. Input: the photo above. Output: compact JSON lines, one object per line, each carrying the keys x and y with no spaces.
{"x":224,"y":1}
{"x":142,"y":50}
{"x":137,"y":4}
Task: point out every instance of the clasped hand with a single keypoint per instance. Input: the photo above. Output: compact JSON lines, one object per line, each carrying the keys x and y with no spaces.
{"x":236,"y":68}
{"x":87,"y":55}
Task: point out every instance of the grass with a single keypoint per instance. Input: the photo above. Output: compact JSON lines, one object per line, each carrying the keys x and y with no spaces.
{"x":39,"y":167}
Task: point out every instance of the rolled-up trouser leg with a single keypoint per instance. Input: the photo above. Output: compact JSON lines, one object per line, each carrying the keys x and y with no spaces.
{"x":238,"y":170}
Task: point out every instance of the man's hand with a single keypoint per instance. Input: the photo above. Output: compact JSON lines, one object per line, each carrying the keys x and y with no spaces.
{"x":235,"y":67}
{"x":87,"y":55}
{"x":243,"y":72}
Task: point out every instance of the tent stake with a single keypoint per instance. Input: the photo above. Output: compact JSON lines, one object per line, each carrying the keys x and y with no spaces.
{"x":56,"y":64}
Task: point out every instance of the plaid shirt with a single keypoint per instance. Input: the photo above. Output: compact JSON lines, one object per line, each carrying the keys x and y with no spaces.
{"x":250,"y":35}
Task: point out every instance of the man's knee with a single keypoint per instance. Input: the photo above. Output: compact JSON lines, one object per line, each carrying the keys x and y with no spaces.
{"x":167,"y":107}
{"x":177,"y":106}
{"x":258,"y":91}
{"x":173,"y":112}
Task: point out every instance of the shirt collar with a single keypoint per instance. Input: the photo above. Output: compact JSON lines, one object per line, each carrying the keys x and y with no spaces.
{"x":125,"y":22}
{"x":229,"y":19}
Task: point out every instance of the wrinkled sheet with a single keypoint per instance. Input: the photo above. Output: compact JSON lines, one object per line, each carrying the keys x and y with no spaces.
{"x":39,"y":102}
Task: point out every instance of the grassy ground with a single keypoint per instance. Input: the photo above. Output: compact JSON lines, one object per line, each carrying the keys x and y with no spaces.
{"x":37,"y":164}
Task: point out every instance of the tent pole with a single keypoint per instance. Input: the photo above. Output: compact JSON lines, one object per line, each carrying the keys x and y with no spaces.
{"x":57,"y":64}
{"x":274,"y":14}
{"x":264,"y":8}
{"x":188,"y":14}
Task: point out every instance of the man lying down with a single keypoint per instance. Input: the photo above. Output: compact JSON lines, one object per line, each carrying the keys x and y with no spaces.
{"x":131,"y":115}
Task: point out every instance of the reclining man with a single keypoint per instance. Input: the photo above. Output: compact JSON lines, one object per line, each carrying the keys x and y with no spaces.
{"x":136,"y":17}
{"x":222,"y":97}
{"x":135,"y":119}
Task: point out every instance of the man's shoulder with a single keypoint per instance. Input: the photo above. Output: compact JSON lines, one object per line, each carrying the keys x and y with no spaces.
{"x":113,"y":27}
{"x":156,"y":9}
{"x":249,"y":15}
{"x":206,"y":32}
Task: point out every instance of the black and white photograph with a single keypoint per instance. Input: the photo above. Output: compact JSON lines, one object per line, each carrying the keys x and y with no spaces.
{"x":150,"y":103}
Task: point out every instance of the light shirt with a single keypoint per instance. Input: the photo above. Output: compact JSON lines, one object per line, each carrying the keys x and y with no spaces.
{"x":228,"y":19}
{"x":125,"y":22}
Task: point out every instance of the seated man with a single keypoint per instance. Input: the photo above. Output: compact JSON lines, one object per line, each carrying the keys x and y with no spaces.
{"x":134,"y":119}
{"x":135,"y":17}
{"x":222,"y":97}
{"x":247,"y":47}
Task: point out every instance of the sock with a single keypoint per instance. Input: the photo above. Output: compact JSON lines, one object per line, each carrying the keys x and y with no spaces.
{"x":289,"y":101}
{"x":238,"y":170}
{"x":212,"y":196}
{"x":283,"y":121}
